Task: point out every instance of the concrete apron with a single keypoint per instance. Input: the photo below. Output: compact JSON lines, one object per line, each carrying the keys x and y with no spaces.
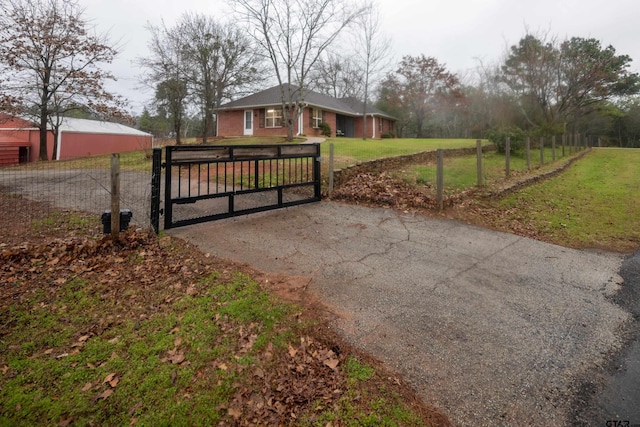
{"x":491,"y":328}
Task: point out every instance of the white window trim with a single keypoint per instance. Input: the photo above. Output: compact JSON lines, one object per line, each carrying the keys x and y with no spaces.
{"x":274,"y":118}
{"x":316,"y":117}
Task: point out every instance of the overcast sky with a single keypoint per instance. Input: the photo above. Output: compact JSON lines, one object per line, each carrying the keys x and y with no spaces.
{"x":458,"y":33}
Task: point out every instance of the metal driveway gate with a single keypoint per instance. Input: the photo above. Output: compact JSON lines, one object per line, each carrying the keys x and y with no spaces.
{"x":204,"y":183}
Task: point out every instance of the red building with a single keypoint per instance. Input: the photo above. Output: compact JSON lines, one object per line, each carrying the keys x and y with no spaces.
{"x":20,"y":139}
{"x":261,"y":114}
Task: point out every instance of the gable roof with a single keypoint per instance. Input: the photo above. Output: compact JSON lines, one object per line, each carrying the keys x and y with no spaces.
{"x":70,"y":124}
{"x":273,"y":96}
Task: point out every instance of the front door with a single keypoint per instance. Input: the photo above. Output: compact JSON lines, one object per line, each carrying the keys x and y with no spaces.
{"x":248,"y":122}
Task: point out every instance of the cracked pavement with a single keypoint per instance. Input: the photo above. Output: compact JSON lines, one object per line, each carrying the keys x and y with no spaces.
{"x":490,"y":328}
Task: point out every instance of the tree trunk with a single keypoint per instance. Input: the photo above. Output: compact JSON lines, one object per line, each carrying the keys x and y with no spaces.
{"x":43,"y":135}
{"x":54,"y":155}
{"x":176,"y":129}
{"x":289,"y":122}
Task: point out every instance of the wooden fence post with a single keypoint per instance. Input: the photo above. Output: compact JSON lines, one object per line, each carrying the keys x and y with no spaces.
{"x":440,"y":178}
{"x":527,"y":144}
{"x":479,"y":154}
{"x":507,"y":156}
{"x":115,"y":195}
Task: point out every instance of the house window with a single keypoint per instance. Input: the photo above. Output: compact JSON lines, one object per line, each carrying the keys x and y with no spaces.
{"x":273,"y":118}
{"x":380,"y":124}
{"x":316,"y":117}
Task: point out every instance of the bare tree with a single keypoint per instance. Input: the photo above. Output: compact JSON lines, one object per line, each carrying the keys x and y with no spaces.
{"x":372,"y":50}
{"x":420,"y":88}
{"x":200,"y":60}
{"x":49,"y":63}
{"x":340,"y":76}
{"x":293,"y":34}
{"x":222,"y":64}
{"x":166,"y":72}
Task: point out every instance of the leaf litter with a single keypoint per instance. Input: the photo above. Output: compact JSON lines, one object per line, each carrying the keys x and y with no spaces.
{"x":141,"y":276}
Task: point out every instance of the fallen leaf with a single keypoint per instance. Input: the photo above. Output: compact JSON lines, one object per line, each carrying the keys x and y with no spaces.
{"x":235,"y":413}
{"x":62,"y":356}
{"x":177,"y":358}
{"x":65,"y":422}
{"x":114,"y":382}
{"x":332,"y":363}
{"x":292,"y":351}
{"x":48,"y":351}
{"x":222,"y":366}
{"x":105,"y":394}
{"x":87,"y":386}
{"x":109,"y":377}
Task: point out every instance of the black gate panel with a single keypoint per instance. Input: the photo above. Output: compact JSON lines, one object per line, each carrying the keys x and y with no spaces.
{"x":205,"y":183}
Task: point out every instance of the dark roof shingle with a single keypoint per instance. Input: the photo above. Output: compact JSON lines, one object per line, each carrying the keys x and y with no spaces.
{"x":273,"y":96}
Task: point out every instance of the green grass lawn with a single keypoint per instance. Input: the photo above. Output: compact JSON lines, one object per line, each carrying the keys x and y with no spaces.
{"x":594,"y":204}
{"x":349,"y":151}
{"x":461,"y":172}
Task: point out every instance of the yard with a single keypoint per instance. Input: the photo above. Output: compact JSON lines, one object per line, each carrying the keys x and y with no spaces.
{"x":148,"y":331}
{"x":95,"y":330}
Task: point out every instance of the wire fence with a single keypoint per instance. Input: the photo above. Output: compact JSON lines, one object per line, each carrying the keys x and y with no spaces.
{"x":85,"y":184}
{"x":79,"y":185}
{"x":446,"y":172}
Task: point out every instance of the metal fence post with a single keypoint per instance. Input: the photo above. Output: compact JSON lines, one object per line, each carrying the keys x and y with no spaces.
{"x":541,"y":150}
{"x":168,"y":217}
{"x":316,"y":174}
{"x":330,"y":169}
{"x":156,"y":173}
{"x":553,"y":148}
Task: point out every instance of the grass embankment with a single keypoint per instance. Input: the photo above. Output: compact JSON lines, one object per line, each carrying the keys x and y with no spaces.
{"x":461,"y":172}
{"x":349,"y":151}
{"x":153,"y":332}
{"x":595,"y":203}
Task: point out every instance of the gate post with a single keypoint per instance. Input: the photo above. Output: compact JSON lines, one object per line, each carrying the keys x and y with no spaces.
{"x":316,"y":173}
{"x":168,"y":217}
{"x":156,"y":173}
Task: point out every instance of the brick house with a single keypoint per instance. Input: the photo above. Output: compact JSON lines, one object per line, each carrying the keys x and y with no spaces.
{"x":261,"y":114}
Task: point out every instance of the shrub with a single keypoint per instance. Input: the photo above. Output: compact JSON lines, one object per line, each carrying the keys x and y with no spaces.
{"x":387,"y":135}
{"x":325,"y":129}
{"x":499,"y":136}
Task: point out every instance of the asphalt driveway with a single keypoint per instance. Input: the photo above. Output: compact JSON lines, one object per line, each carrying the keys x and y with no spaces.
{"x":491,"y":328}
